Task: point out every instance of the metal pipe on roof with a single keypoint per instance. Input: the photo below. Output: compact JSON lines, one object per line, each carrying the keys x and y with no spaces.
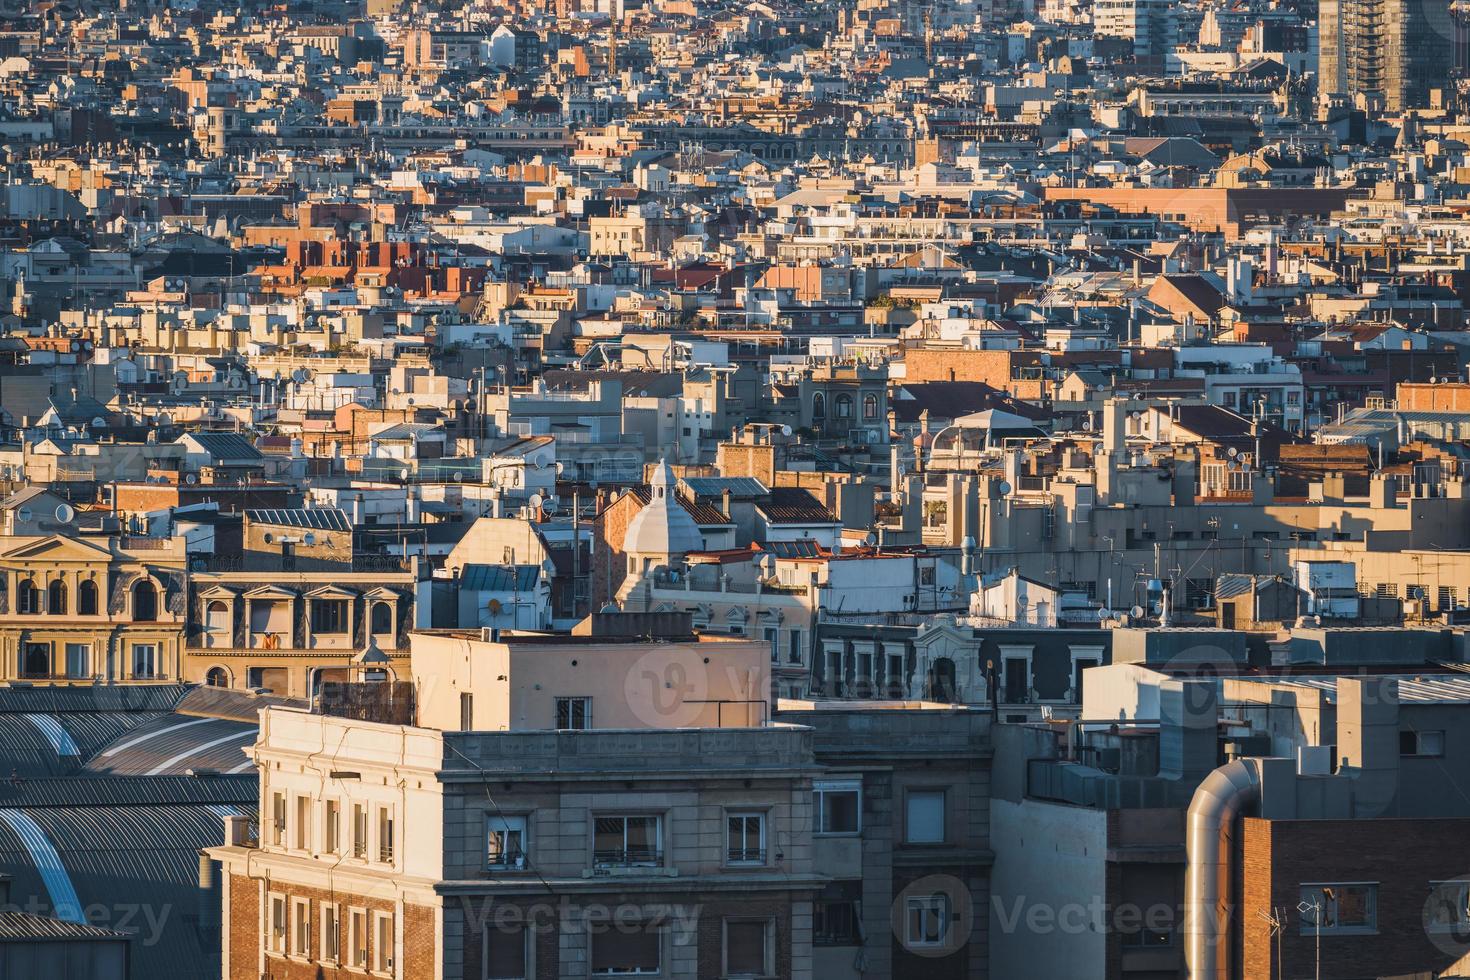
{"x":1223,"y":796}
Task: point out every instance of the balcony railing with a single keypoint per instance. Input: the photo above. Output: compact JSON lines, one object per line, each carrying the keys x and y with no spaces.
{"x":628,"y":857}
{"x":746,"y":855}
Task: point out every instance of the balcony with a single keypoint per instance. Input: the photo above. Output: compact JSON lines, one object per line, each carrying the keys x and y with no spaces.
{"x":628,"y":857}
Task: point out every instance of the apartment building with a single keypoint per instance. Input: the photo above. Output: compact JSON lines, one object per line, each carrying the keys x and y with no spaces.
{"x":298,"y":605}
{"x":88,"y":608}
{"x":549,"y":848}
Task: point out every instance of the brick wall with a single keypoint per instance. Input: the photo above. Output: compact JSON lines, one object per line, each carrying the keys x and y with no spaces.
{"x":609,"y":562}
{"x":1402,"y":856}
{"x":420,"y":946}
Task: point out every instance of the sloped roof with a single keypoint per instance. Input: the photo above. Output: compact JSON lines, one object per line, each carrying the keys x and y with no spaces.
{"x":500,"y":578}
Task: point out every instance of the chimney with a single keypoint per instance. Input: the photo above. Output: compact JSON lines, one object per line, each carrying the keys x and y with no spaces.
{"x":1188,"y":747}
{"x":725,"y":502}
{"x":1368,"y":742}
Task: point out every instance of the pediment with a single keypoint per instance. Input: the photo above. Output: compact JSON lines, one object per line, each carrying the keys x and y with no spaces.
{"x":57,"y":547}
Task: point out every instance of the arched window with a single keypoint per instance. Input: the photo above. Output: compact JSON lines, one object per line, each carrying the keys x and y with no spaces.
{"x":145,"y":602}
{"x":27,"y":598}
{"x":87,"y":598}
{"x":217,"y":677}
{"x":844,"y":406}
{"x":56,"y":597}
{"x":819,"y":406}
{"x":870,"y":407}
{"x":382,"y":618}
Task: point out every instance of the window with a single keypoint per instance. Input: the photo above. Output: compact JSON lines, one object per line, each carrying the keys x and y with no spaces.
{"x":627,"y":951}
{"x":924,"y":817}
{"x":383,"y":942}
{"x":1347,"y":908}
{"x":278,"y":819}
{"x":843,"y":403}
{"x":793,"y":646}
{"x":357,"y":936}
{"x":838,"y":805}
{"x":145,"y":602}
{"x":747,"y":838}
{"x":301,"y":840}
{"x":145,"y":660}
{"x":466,"y":711}
{"x":27,"y":598}
{"x":329,"y":615}
{"x":359,"y":830}
{"x":574,"y":714}
{"x":505,"y":952}
{"x":927,"y":919}
{"x":627,"y":842}
{"x":819,"y":406}
{"x":1448,"y":908}
{"x":385,"y":834}
{"x":505,"y":842}
{"x":275,"y":940}
{"x":332,"y":826}
{"x":1421,"y":743}
{"x":748,"y":948}
{"x":835,"y":914}
{"x":56,"y":597}
{"x":382,"y":618}
{"x":773,"y":640}
{"x":35,"y":659}
{"x":870,"y":407}
{"x":78,"y":660}
{"x":331,"y":933}
{"x":87,"y":598}
{"x":300,"y":927}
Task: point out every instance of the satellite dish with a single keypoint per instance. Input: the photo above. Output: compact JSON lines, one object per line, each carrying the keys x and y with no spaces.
{"x":25,"y":514}
{"x":300,"y":375}
{"x":1005,"y":488}
{"x":65,"y":513}
{"x":191,"y":478}
{"x":1103,"y":615}
{"x":535,"y":501}
{"x":458,"y":476}
{"x":870,"y":539}
{"x":310,"y":538}
{"x":1233,"y":452}
{"x":786,"y":430}
{"x":1136,"y":612}
{"x":99,"y":423}
{"x":494,"y":606}
{"x":1417,"y":592}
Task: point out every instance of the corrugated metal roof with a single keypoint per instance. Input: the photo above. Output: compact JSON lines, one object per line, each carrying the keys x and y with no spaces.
{"x":225,"y":702}
{"x":59,"y":890}
{"x":23,"y":927}
{"x":97,"y":697}
{"x":172,"y":745}
{"x":500,"y":578}
{"x":1418,"y":688}
{"x":314,"y":519}
{"x":100,"y":790}
{"x":136,"y":869}
{"x":59,"y":737}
